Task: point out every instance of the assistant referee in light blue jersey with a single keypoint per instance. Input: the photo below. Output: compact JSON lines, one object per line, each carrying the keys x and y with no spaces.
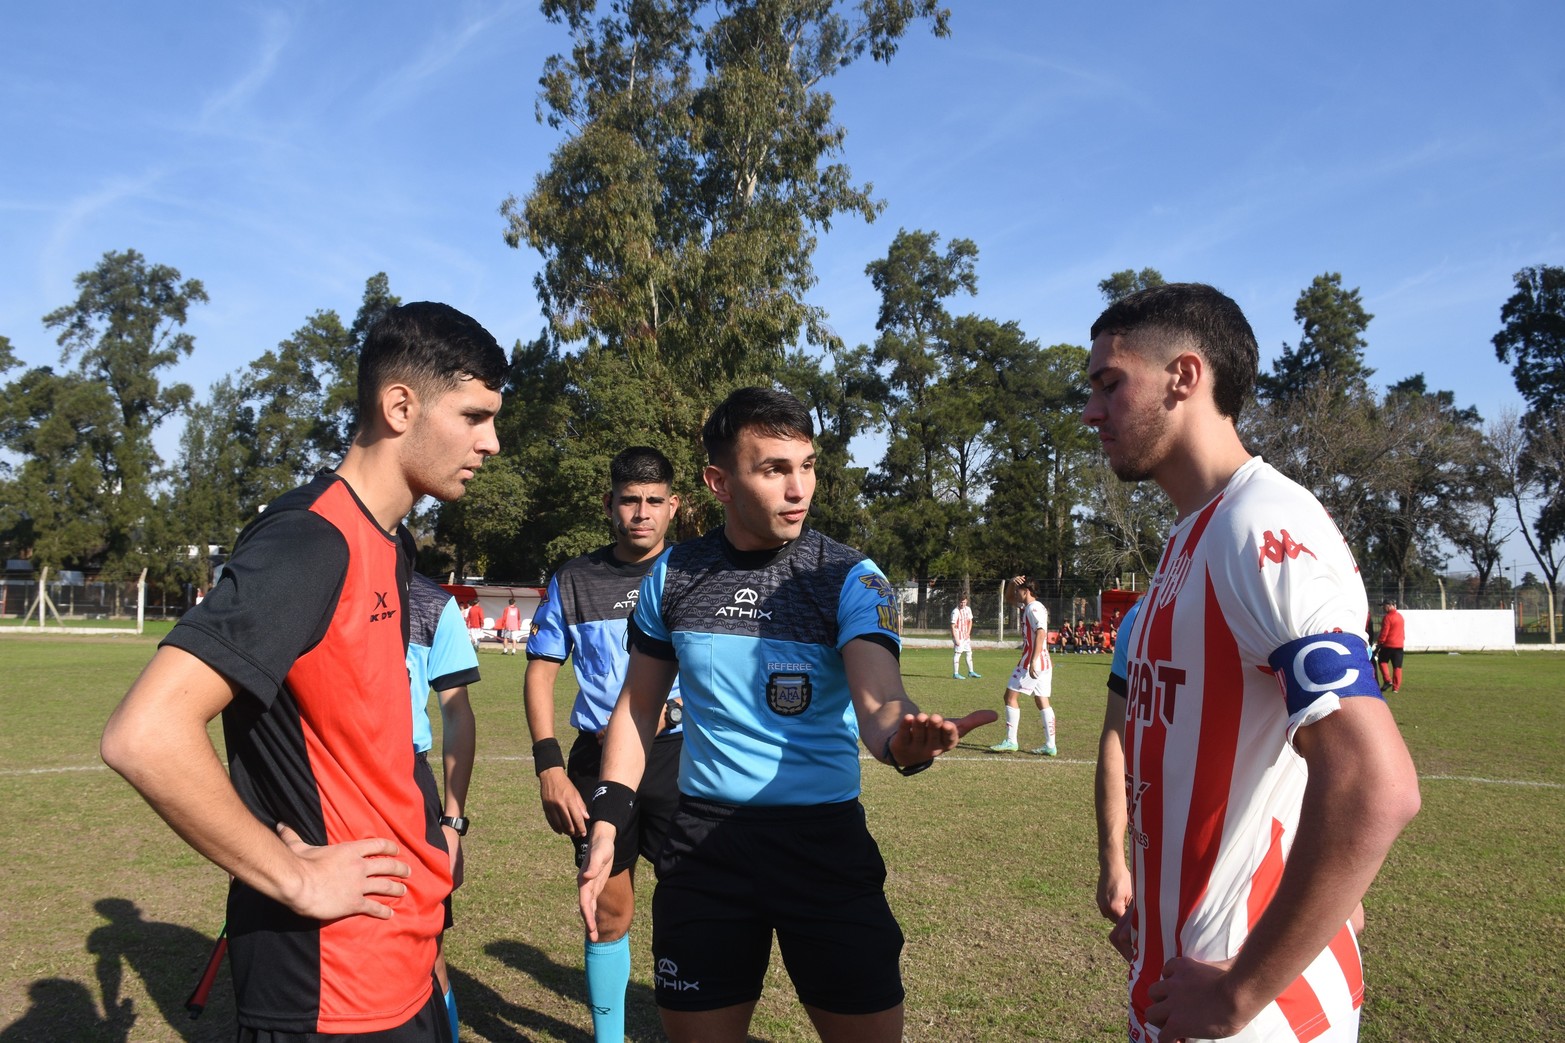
{"x":583,"y":618}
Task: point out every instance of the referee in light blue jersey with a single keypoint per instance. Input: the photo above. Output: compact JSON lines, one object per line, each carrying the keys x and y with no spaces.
{"x":785,"y":648}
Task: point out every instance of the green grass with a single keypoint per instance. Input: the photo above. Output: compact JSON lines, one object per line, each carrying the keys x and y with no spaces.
{"x":991,"y":870}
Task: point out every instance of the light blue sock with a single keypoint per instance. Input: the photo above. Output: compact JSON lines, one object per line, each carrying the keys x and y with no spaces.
{"x":608,"y":976}
{"x":451,"y":1012}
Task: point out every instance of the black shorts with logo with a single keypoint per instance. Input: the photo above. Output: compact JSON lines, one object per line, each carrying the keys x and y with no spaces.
{"x":656,"y":797}
{"x":729,"y":877}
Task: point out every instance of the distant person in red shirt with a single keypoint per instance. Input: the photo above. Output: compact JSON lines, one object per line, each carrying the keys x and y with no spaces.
{"x":1391,"y":647}
{"x":510,"y":628}
{"x":475,"y":622}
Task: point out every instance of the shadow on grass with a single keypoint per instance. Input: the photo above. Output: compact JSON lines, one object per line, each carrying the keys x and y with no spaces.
{"x":168,"y":958}
{"x":62,"y":1009}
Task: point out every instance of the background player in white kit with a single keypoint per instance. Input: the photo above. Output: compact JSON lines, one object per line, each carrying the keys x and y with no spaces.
{"x":1034,"y":673}
{"x":1265,"y":777}
{"x":962,"y":638}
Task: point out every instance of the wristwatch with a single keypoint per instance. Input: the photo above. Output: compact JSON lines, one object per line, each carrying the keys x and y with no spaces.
{"x":457,"y":822}
{"x":911,"y":769}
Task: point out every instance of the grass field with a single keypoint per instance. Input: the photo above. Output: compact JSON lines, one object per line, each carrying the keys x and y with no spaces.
{"x":108,"y":918}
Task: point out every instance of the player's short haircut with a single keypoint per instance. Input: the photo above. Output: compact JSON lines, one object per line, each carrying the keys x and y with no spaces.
{"x":1205,"y":318}
{"x":773,"y":414}
{"x":432,"y":348}
{"x":1032,"y":586}
{"x":640,"y":465}
{"x":1388,"y":603}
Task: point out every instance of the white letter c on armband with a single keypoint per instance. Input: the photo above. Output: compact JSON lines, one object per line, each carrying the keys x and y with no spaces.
{"x":1299,"y":674}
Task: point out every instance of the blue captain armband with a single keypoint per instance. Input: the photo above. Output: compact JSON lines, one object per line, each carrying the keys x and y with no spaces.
{"x":1324,"y":664}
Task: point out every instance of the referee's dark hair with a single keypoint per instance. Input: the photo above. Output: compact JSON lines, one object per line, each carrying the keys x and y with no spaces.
{"x":773,"y":414}
{"x":640,"y":465}
{"x":432,"y":347}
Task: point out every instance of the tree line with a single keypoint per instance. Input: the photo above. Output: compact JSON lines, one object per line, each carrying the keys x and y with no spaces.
{"x":676,"y":220}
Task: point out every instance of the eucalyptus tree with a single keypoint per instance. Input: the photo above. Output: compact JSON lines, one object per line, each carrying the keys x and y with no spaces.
{"x":677,"y":219}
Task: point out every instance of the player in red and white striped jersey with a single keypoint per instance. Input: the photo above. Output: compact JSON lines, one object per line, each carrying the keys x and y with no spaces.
{"x":962,"y":638}
{"x":1034,"y":673}
{"x":1265,"y":777}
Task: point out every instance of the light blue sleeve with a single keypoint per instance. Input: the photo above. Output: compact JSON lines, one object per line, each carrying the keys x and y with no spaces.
{"x":867,"y":605}
{"x":1120,"y":666}
{"x":452,"y":660}
{"x":550,"y":639}
{"x":649,"y":603}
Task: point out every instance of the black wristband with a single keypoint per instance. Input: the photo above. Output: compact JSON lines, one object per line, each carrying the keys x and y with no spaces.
{"x":546,"y":755}
{"x":911,"y":769}
{"x":612,"y":802}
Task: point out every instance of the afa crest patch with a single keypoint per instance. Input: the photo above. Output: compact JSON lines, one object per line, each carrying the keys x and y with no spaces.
{"x":789,"y":694}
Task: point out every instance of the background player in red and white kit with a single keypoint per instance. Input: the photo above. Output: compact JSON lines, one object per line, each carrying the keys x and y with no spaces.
{"x":1034,"y":673}
{"x":962,"y":638}
{"x":1265,"y":777}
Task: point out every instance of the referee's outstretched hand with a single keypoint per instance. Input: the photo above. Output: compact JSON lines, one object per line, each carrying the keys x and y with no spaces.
{"x":921,"y":736}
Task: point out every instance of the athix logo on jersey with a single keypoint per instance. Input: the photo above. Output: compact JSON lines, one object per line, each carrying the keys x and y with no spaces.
{"x":382,"y":609}
{"x":631,"y":597}
{"x":1275,"y":550}
{"x":745,"y":606}
{"x":1168,"y":585}
{"x":667,"y":977}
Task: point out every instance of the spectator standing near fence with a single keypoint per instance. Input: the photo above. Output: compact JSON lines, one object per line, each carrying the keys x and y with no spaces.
{"x":475,"y":623}
{"x":1392,"y":635}
{"x":510,"y":628}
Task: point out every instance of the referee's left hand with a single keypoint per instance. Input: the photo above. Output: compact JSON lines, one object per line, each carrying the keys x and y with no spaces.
{"x":921,"y":736}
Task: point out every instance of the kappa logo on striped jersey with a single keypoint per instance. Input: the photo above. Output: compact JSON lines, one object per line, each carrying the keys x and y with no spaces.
{"x":1277,"y":550}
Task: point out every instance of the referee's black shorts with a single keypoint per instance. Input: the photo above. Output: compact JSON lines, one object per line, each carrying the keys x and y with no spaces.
{"x":730,"y":876}
{"x":656,"y":797}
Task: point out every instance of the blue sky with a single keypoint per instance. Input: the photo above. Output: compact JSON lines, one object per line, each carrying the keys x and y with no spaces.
{"x":284,"y":152}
